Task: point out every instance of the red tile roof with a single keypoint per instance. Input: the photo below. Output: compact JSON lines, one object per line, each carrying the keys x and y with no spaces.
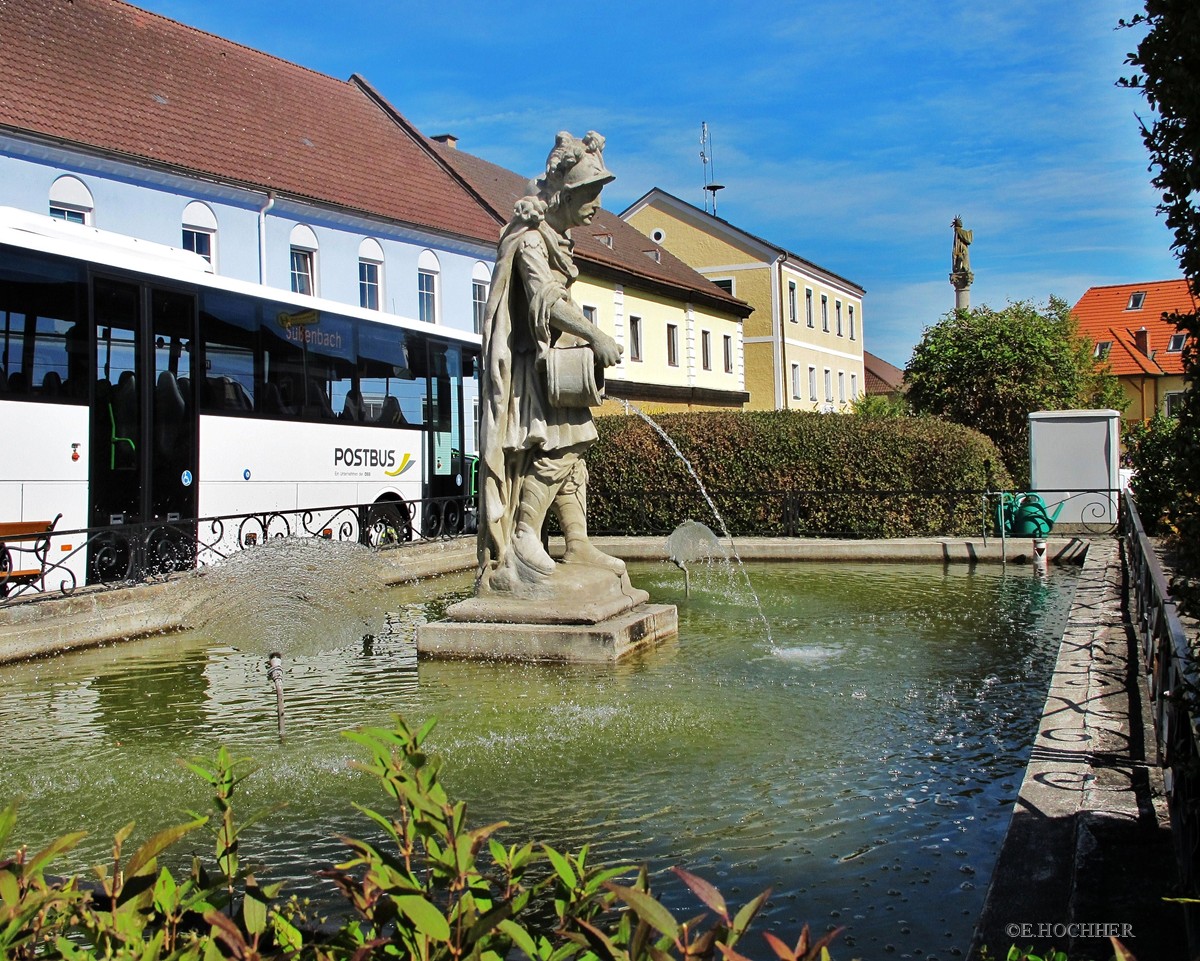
{"x":1105,"y":317}
{"x":109,"y":76}
{"x":882,"y":377}
{"x":629,"y":255}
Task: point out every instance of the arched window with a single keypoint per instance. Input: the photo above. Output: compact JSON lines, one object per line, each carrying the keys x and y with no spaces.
{"x":200,"y":231}
{"x":481,"y":282}
{"x":428,"y":306}
{"x":70,"y":200}
{"x":370,"y":274}
{"x":304,"y":260}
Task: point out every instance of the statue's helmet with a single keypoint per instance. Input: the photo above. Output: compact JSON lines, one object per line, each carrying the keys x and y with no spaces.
{"x":575,"y":163}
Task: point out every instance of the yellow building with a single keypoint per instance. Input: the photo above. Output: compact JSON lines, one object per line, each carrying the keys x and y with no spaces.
{"x":804,"y":342}
{"x":682,"y":335}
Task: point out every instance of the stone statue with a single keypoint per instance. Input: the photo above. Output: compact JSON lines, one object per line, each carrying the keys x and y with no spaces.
{"x":543,"y":365}
{"x":960,"y":261}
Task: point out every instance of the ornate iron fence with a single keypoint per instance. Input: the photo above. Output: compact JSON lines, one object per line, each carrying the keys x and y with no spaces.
{"x":1173,"y":691}
{"x":128,"y":553}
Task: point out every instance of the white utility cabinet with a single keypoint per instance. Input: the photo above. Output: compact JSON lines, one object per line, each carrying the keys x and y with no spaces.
{"x":1074,"y":460}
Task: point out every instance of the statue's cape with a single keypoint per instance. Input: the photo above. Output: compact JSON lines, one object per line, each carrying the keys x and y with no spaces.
{"x":514,"y":419}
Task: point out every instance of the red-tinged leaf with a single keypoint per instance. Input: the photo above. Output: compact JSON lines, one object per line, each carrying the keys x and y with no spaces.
{"x":702,"y":946}
{"x":730,"y":954}
{"x":1121,"y":952}
{"x":367,"y":951}
{"x":781,"y":950}
{"x":224,"y":929}
{"x":648,"y":908}
{"x":818,"y":950}
{"x":704,"y":891}
{"x":597,"y":938}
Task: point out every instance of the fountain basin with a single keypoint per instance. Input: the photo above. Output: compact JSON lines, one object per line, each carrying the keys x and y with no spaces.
{"x":864,"y":766}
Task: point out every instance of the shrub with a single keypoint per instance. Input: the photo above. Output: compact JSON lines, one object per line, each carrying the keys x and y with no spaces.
{"x":1150,"y":450}
{"x":788,"y":472}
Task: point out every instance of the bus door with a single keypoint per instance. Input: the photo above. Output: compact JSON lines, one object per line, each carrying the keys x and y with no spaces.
{"x":446,"y":473}
{"x":143,"y":451}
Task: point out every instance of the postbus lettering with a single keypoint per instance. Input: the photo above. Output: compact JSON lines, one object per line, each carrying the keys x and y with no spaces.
{"x":363,"y":457}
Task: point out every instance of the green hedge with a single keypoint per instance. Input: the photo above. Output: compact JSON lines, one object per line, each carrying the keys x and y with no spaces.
{"x":773,"y":473}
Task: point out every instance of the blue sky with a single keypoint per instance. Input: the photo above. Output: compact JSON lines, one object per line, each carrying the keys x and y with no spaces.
{"x":849,"y":132}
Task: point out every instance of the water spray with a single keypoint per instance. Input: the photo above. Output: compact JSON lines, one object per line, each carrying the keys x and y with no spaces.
{"x":657,"y":428}
{"x":275,"y":676}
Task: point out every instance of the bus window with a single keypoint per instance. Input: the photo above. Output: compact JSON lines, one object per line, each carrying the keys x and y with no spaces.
{"x":43,"y":342}
{"x":384,"y":376}
{"x":309,"y":358}
{"x":229,"y":329}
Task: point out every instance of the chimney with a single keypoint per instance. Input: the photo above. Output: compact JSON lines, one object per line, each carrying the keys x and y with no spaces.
{"x":448,"y":139}
{"x":1142,"y":339}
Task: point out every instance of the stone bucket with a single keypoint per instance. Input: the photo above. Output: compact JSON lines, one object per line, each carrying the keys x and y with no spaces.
{"x":573,"y":377}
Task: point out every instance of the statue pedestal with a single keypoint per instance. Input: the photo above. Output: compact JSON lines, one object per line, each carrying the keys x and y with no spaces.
{"x":641,"y":627}
{"x":580,"y":613}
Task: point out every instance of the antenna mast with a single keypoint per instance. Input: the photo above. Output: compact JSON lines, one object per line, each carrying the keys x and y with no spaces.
{"x":710,"y":188}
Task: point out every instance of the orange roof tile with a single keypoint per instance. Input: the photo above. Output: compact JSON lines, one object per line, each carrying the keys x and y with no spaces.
{"x":109,"y":76}
{"x":1105,"y":316}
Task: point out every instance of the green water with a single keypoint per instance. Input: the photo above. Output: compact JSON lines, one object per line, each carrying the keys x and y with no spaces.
{"x":863,"y":765}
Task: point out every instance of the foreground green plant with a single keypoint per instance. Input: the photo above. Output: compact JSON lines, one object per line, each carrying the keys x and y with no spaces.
{"x":429,"y":887}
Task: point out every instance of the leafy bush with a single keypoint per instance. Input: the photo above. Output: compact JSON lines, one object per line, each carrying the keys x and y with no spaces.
{"x":1150,"y":450}
{"x":989,"y":369}
{"x":790,"y":472}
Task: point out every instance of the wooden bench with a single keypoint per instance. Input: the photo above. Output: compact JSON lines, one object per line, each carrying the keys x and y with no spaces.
{"x":24,"y":543}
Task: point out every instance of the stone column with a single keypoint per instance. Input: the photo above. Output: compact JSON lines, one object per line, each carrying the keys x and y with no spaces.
{"x":962,"y":289}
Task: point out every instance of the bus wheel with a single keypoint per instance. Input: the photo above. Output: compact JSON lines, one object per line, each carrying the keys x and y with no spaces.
{"x":389,"y":522}
{"x":433,"y":519}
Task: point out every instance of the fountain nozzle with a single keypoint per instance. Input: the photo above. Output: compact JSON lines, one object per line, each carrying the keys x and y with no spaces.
{"x":275,"y":676}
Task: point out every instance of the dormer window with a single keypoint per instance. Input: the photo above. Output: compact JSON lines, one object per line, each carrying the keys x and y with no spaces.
{"x":1102,"y":349}
{"x":605,"y":239}
{"x":1135,"y":300}
{"x":655,"y":254}
{"x":1175,"y":344}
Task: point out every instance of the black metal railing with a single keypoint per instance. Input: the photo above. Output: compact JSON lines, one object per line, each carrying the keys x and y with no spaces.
{"x":1173,"y":693}
{"x":128,"y":553}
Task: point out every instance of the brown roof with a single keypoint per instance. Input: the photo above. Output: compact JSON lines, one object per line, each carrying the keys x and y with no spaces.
{"x":109,"y":76}
{"x":631,"y":253}
{"x":882,"y":377}
{"x":1104,"y":317}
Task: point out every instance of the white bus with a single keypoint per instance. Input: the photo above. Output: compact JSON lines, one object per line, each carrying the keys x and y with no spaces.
{"x":139,"y":388}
